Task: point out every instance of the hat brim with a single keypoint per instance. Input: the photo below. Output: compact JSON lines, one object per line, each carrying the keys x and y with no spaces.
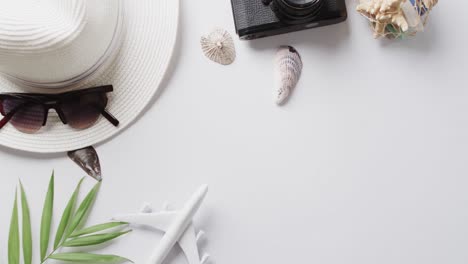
{"x":136,"y":74}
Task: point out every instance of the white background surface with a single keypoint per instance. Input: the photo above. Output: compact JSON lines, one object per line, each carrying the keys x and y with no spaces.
{"x":366,"y":164}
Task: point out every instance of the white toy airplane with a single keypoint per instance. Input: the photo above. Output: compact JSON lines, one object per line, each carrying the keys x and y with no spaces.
{"x":178,"y":227}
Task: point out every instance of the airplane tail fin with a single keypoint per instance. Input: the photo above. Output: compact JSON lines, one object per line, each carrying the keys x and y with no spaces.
{"x":200,"y":235}
{"x":205,"y":259}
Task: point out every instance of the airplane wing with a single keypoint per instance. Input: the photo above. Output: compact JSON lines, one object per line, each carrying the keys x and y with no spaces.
{"x":188,"y":244}
{"x":160,"y":221}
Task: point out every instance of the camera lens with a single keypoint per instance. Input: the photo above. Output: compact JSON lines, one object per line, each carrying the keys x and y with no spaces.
{"x":299,"y":2}
{"x":296,"y":11}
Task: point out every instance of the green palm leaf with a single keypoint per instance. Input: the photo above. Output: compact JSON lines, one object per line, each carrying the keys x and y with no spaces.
{"x":27,"y":236}
{"x":83,"y":209}
{"x":47,"y":219}
{"x":13,"y":239}
{"x":67,"y":235}
{"x":88,"y":258}
{"x":97,"y":228}
{"x":66,"y":216}
{"x":93,"y":239}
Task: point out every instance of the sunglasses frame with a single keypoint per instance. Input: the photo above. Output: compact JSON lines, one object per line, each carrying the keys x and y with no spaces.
{"x":53,"y":101}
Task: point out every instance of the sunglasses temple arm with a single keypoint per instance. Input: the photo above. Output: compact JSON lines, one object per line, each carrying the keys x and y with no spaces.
{"x":110,"y":117}
{"x":7,"y":119}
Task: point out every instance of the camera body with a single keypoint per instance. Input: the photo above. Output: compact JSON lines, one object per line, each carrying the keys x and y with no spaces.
{"x":262,"y":18}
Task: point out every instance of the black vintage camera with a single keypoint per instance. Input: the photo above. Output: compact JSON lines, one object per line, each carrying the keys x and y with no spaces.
{"x":263,"y":18}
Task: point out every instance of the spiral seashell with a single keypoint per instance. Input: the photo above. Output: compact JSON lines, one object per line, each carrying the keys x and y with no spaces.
{"x":396,"y":18}
{"x":430,"y":3}
{"x":383,"y":13}
{"x":218,"y":46}
{"x":288,"y":64}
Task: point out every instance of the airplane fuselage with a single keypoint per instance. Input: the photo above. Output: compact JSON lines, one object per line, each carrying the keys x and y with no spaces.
{"x":178,"y":227}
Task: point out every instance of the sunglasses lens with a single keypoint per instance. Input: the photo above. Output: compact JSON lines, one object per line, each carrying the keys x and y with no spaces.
{"x":2,"y":110}
{"x":28,"y":117}
{"x":83,"y":111}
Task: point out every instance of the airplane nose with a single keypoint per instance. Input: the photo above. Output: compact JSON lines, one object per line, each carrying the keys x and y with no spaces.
{"x":204,"y":188}
{"x":202,"y":191}
{"x":200,"y":194}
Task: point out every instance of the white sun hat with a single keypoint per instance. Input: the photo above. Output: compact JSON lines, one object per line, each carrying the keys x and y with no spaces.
{"x":52,"y":46}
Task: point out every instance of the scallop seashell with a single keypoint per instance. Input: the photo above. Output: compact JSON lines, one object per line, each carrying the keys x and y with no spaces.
{"x":219,"y":47}
{"x":288,"y":64}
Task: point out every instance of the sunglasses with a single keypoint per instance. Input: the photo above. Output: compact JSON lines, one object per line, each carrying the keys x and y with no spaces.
{"x":80,"y":109}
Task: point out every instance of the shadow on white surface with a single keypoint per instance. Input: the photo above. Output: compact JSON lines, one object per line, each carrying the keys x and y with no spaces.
{"x":328,"y":37}
{"x":421,"y":43}
{"x":31,"y":155}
